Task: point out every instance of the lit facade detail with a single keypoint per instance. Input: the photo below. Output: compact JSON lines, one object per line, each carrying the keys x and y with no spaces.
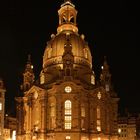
{"x":99,"y":95}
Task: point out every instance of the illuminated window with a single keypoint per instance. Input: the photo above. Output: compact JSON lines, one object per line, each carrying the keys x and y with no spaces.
{"x":68,"y":89}
{"x":67,"y":122}
{"x":92,"y":80}
{"x":98,"y":122}
{"x":98,"y":128}
{"x":0,"y":106}
{"x":98,"y":113}
{"x":68,"y":113}
{"x":82,"y":111}
{"x":68,"y":137}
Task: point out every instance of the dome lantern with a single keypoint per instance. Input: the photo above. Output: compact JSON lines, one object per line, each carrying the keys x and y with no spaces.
{"x":67,"y":17}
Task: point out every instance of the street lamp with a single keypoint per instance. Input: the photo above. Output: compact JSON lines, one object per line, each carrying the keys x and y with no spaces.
{"x":119,"y":131}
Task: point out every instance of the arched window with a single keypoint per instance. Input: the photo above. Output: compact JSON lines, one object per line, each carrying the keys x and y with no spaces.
{"x":83,"y":114}
{"x":98,"y":119}
{"x":68,"y":113}
{"x":92,"y":80}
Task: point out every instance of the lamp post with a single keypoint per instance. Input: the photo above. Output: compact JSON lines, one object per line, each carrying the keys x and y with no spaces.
{"x":119,"y":131}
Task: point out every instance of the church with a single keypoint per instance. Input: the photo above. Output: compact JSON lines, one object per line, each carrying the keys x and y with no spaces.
{"x":66,"y":102}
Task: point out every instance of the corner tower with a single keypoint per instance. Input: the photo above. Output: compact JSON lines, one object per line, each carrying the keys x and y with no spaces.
{"x":28,"y":75}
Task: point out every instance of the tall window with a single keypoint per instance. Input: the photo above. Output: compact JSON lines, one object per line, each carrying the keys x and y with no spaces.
{"x":92,"y":80}
{"x":83,"y":111}
{"x":68,"y":112}
{"x":52,"y":116}
{"x":83,"y":114}
{"x":0,"y":106}
{"x":98,"y":119}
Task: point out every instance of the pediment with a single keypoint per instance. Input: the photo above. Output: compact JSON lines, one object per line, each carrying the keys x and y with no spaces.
{"x":35,"y":89}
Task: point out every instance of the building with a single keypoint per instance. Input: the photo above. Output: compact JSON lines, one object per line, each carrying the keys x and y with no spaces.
{"x":2,"y":107}
{"x":138,"y":126}
{"x":7,"y":123}
{"x":127,"y":128}
{"x":10,"y":124}
{"x":66,"y":102}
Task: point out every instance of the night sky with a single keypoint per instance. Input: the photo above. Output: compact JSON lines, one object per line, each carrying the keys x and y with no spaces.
{"x":109,"y":26}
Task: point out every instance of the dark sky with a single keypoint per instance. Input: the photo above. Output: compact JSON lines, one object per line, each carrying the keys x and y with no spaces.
{"x":109,"y":26}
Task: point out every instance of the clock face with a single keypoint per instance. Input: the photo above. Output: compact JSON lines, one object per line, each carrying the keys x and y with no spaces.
{"x":68,"y":89}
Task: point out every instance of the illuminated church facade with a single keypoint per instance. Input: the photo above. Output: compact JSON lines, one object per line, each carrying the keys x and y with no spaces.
{"x":67,"y":103}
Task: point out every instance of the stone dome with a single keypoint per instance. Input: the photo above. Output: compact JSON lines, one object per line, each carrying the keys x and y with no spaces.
{"x":67,"y":54}
{"x":55,"y":49}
